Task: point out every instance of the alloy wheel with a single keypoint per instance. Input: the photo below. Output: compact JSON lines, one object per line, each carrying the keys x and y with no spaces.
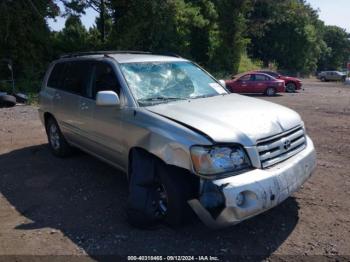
{"x":54,"y":137}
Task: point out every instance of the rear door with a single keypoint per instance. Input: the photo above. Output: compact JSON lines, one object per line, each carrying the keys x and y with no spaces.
{"x":260,"y":83}
{"x":330,"y":75}
{"x":66,"y":98}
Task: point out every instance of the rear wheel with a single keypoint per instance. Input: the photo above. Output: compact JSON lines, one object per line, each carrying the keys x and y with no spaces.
{"x":291,"y":88}
{"x":270,"y":91}
{"x":57,"y":142}
{"x":323,"y":79}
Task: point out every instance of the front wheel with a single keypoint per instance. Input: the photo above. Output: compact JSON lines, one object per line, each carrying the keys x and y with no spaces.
{"x":158,"y":192}
{"x":270,"y":91}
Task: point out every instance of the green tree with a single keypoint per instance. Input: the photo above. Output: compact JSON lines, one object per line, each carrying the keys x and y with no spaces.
{"x":25,"y":38}
{"x":73,"y":37}
{"x":338,"y":49}
{"x":287,"y":32}
{"x":102,"y":7}
{"x":231,"y":38}
{"x":159,"y":26}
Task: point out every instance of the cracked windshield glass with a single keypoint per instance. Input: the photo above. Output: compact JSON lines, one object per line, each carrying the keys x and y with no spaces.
{"x":162,"y":82}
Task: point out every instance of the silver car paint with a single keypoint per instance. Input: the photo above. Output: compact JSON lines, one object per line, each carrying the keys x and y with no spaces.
{"x":168,"y":130}
{"x":231,"y":118}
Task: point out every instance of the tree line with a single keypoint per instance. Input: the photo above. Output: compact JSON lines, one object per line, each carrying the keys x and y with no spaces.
{"x":224,"y":36}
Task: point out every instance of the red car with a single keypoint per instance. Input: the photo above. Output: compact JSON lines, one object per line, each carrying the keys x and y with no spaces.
{"x":292,"y":83}
{"x":256,"y":83}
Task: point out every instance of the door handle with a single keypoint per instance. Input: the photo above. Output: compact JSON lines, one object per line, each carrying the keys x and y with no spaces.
{"x":83,"y":106}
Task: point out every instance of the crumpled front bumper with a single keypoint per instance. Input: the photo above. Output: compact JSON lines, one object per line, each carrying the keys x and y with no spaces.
{"x":261,"y":189}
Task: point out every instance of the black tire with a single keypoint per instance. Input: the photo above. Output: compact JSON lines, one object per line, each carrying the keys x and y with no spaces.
{"x":149,"y":180}
{"x":179,"y":189}
{"x":58,"y":144}
{"x":7,"y":101}
{"x":323,"y":79}
{"x":270,"y":91}
{"x":291,"y":87}
{"x":21,"y":98}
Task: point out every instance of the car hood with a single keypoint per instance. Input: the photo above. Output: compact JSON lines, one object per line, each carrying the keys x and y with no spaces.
{"x":230,"y":118}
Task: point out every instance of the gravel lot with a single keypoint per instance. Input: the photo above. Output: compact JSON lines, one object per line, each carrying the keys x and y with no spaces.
{"x":75,"y":206}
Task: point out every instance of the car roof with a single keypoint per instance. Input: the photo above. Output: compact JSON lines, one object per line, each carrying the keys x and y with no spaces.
{"x":124,"y":56}
{"x":134,"y":58}
{"x":251,"y":73}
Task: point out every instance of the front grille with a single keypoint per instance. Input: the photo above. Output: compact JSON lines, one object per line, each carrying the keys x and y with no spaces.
{"x":278,"y":148}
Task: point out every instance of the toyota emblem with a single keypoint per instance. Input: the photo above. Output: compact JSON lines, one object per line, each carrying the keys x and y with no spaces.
{"x":286,"y":143}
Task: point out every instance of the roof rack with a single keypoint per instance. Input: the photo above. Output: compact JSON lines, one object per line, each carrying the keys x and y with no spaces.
{"x":106,"y":53}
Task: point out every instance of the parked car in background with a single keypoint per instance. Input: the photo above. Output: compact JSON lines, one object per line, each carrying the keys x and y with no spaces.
{"x":256,"y":83}
{"x":331,"y":76}
{"x":292,"y":84}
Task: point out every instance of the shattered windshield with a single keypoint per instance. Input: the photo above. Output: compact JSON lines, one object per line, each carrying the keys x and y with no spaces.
{"x":162,"y":82}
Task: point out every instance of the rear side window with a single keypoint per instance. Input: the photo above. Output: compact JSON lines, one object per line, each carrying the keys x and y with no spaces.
{"x":55,"y":76}
{"x":76,"y":77}
{"x":273,"y":74}
{"x":261,"y":78}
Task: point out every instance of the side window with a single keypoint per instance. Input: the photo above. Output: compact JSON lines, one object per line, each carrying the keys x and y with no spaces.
{"x":55,"y":76}
{"x":76,"y":77}
{"x":104,"y":79}
{"x":245,"y":78}
{"x":260,"y":78}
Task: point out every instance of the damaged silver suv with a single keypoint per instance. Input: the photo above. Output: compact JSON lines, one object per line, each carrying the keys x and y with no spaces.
{"x":184,"y":142}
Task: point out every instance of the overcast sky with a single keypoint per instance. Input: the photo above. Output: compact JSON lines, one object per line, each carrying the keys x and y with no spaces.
{"x":331,"y":12}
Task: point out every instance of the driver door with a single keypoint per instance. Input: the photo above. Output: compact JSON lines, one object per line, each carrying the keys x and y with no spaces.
{"x":242,"y":84}
{"x":102,"y":124}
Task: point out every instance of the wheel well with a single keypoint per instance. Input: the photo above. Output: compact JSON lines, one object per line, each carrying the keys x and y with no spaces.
{"x":47,"y":116}
{"x":130,"y":157}
{"x":181,"y":171}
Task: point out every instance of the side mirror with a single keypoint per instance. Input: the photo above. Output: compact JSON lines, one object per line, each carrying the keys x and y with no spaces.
{"x":222,"y":82}
{"x":107,"y":98}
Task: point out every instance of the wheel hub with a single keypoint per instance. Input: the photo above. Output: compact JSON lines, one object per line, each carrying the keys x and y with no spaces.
{"x":162,"y":200}
{"x":54,"y":137}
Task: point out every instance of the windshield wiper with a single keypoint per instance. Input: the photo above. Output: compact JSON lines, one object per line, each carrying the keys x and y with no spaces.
{"x":160,"y":98}
{"x":202,"y":96}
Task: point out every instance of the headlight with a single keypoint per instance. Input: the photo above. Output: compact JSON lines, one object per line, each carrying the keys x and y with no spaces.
{"x":214,"y":160}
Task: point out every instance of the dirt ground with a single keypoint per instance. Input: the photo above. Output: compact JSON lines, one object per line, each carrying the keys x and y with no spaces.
{"x":75,"y":206}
